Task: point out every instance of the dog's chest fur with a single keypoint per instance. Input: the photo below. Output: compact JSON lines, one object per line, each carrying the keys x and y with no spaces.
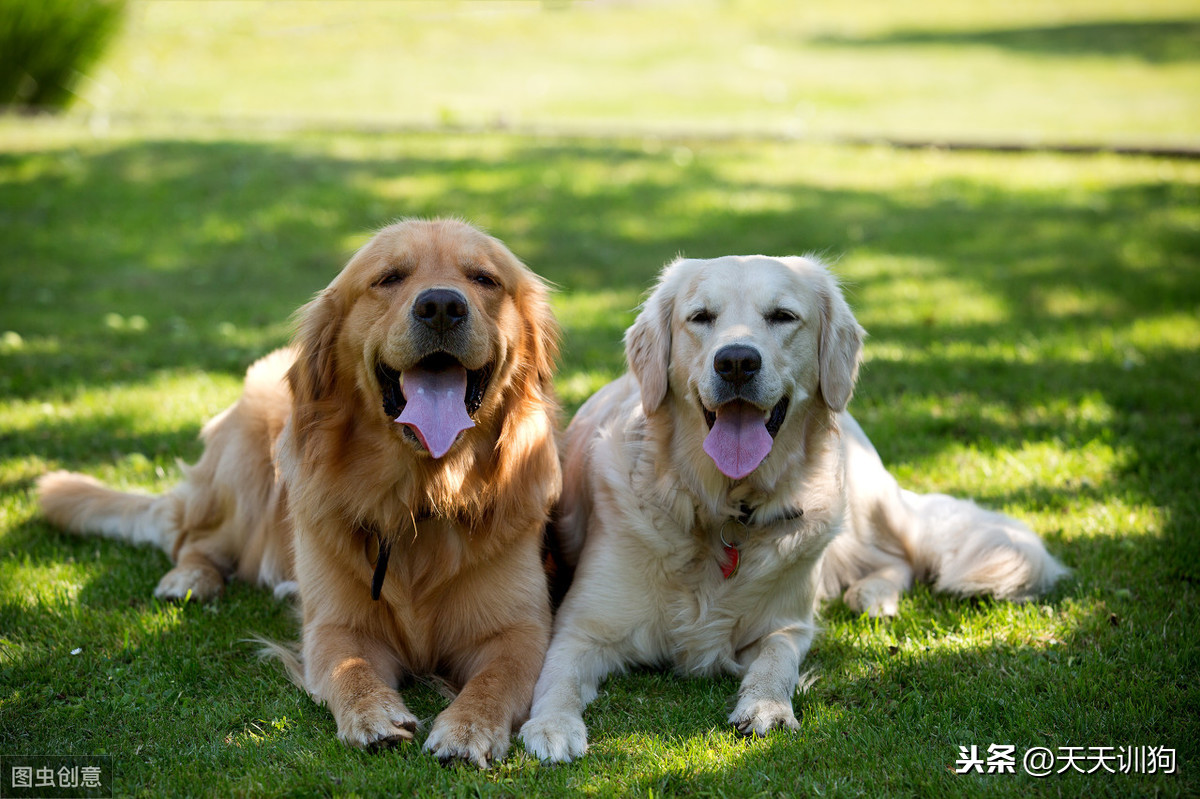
{"x":706,"y":621}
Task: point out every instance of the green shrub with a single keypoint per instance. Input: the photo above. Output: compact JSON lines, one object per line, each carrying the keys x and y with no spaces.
{"x":45,"y":45}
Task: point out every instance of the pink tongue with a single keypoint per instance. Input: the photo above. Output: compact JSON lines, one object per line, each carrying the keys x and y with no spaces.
{"x":739,"y":440}
{"x":436,"y":408}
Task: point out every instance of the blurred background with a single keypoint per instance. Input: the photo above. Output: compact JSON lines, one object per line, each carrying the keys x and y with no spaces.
{"x":1094,"y":72}
{"x":226,"y":143}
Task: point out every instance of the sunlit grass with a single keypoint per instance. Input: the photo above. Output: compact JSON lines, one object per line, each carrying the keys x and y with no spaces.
{"x":863,"y":68}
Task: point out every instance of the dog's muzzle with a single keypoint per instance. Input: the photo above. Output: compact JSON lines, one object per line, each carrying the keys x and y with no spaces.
{"x":741,"y":431}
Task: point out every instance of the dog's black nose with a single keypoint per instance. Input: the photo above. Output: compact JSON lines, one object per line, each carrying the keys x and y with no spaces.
{"x":737,"y":363}
{"x":440,"y":309}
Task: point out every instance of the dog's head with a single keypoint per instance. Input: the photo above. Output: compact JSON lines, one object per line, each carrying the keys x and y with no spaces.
{"x":428,"y":331}
{"x":743,"y":345}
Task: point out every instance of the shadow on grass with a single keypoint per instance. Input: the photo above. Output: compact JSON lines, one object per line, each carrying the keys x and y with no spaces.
{"x":904,"y":707}
{"x":214,"y":244}
{"x":1155,"y":42}
{"x":118,"y":666}
{"x":100,"y":440}
{"x":153,"y":684}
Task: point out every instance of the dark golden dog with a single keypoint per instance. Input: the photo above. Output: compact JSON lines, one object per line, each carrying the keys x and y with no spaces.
{"x":398,"y":464}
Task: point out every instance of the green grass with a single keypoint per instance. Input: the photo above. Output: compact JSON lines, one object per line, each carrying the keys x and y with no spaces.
{"x":983,"y":70}
{"x":1034,"y":327}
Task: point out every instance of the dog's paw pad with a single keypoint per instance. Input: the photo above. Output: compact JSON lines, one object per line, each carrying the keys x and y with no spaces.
{"x":555,"y":739}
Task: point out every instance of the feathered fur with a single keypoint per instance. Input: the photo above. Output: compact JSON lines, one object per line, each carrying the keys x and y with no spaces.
{"x":646,"y":513}
{"x":307,"y":479}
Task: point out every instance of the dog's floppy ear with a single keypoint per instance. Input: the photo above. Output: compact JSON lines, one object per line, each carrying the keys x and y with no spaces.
{"x":541,"y":331}
{"x":840,"y":346}
{"x":313,"y":376}
{"x":648,"y":345}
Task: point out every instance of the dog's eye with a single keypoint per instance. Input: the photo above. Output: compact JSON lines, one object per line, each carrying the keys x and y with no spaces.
{"x":390,"y":279}
{"x":702,"y":317}
{"x":781,"y":316}
{"x":485,"y":280}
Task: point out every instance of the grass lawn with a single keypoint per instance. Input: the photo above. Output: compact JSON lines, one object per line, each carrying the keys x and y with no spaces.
{"x":1034,"y":327}
{"x":981,"y":70}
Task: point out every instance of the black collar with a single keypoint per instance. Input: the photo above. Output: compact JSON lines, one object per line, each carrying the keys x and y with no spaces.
{"x":384,"y":548}
{"x":381,"y":564}
{"x":789,"y":515}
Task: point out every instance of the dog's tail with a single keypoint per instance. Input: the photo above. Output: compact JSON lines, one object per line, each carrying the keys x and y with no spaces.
{"x":83,"y":505}
{"x":967,"y":550}
{"x":894,"y":536}
{"x":288,"y":656}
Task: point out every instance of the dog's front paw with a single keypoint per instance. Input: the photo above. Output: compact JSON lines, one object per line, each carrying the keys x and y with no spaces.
{"x":377,"y":721}
{"x":874,"y":596}
{"x":195,"y":583}
{"x":558,"y":738}
{"x":759,"y":716}
{"x":475,"y":742}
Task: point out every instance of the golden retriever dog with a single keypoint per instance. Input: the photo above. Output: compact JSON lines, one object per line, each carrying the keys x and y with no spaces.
{"x":717,"y":492}
{"x":399,"y":462}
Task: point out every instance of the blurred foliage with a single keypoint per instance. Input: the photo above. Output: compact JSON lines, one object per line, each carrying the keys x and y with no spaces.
{"x":46,"y":45}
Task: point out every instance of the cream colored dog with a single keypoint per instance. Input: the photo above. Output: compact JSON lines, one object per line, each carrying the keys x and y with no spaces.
{"x":718,"y":491}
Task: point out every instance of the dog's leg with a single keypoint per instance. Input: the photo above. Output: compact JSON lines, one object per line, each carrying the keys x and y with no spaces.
{"x":343,"y":670}
{"x":569,"y":681}
{"x":500,"y":675}
{"x":878,"y":594}
{"x":195,"y":576}
{"x":765,"y":696}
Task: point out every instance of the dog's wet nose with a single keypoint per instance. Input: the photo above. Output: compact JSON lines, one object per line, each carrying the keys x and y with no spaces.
{"x":737,"y":363}
{"x":440,"y":309}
